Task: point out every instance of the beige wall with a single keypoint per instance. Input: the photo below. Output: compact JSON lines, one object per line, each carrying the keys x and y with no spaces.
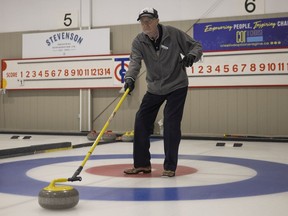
{"x":208,"y":111}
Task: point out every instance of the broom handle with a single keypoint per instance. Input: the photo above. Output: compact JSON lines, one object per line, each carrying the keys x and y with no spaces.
{"x":74,"y":177}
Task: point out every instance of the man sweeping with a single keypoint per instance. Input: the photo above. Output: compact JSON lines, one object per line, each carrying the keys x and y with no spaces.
{"x":166,"y":52}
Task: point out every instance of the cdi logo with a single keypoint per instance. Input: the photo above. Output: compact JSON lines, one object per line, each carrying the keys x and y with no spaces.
{"x":121,"y":68}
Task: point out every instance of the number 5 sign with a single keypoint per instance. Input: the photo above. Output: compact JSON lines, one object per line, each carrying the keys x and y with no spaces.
{"x":68,"y":19}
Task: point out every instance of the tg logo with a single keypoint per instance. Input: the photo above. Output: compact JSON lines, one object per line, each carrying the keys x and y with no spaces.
{"x":121,"y":68}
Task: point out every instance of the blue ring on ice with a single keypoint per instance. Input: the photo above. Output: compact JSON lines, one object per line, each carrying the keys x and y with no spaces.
{"x":271,"y":178}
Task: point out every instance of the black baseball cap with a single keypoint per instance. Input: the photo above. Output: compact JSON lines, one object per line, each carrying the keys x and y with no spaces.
{"x":148,"y":12}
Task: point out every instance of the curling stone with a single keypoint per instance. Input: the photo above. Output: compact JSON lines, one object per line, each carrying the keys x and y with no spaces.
{"x":128,"y":136}
{"x":109,"y":136}
{"x":92,"y":136}
{"x":58,"y":197}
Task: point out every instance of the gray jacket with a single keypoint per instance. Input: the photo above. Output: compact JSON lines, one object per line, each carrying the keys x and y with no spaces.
{"x":165,"y":72}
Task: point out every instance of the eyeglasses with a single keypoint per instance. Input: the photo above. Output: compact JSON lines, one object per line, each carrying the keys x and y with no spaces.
{"x":146,"y":21}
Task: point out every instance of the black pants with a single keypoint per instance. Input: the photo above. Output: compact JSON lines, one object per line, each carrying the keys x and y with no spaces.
{"x":145,"y":119}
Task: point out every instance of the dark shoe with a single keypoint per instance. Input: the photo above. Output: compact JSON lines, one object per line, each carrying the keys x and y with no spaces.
{"x":138,"y":170}
{"x":168,"y":173}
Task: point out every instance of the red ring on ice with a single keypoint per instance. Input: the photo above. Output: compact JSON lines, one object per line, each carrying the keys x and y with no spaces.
{"x":116,"y":170}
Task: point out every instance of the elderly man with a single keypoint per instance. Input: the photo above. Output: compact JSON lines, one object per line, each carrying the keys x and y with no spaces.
{"x":166,"y":52}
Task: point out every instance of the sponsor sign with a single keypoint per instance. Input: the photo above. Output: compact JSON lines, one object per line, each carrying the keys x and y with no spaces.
{"x":243,"y":35}
{"x":66,"y":43}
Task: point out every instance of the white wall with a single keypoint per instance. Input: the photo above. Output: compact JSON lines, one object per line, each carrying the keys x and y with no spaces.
{"x":33,"y":15}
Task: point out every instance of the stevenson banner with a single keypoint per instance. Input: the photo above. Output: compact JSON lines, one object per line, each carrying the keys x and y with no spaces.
{"x":243,"y":35}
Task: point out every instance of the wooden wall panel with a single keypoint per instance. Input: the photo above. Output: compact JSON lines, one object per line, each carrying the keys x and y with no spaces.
{"x":40,"y":110}
{"x":208,"y":111}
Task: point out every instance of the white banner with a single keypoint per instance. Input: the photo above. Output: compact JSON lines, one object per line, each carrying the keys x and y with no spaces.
{"x":105,"y":71}
{"x":240,"y":69}
{"x":66,"y":43}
